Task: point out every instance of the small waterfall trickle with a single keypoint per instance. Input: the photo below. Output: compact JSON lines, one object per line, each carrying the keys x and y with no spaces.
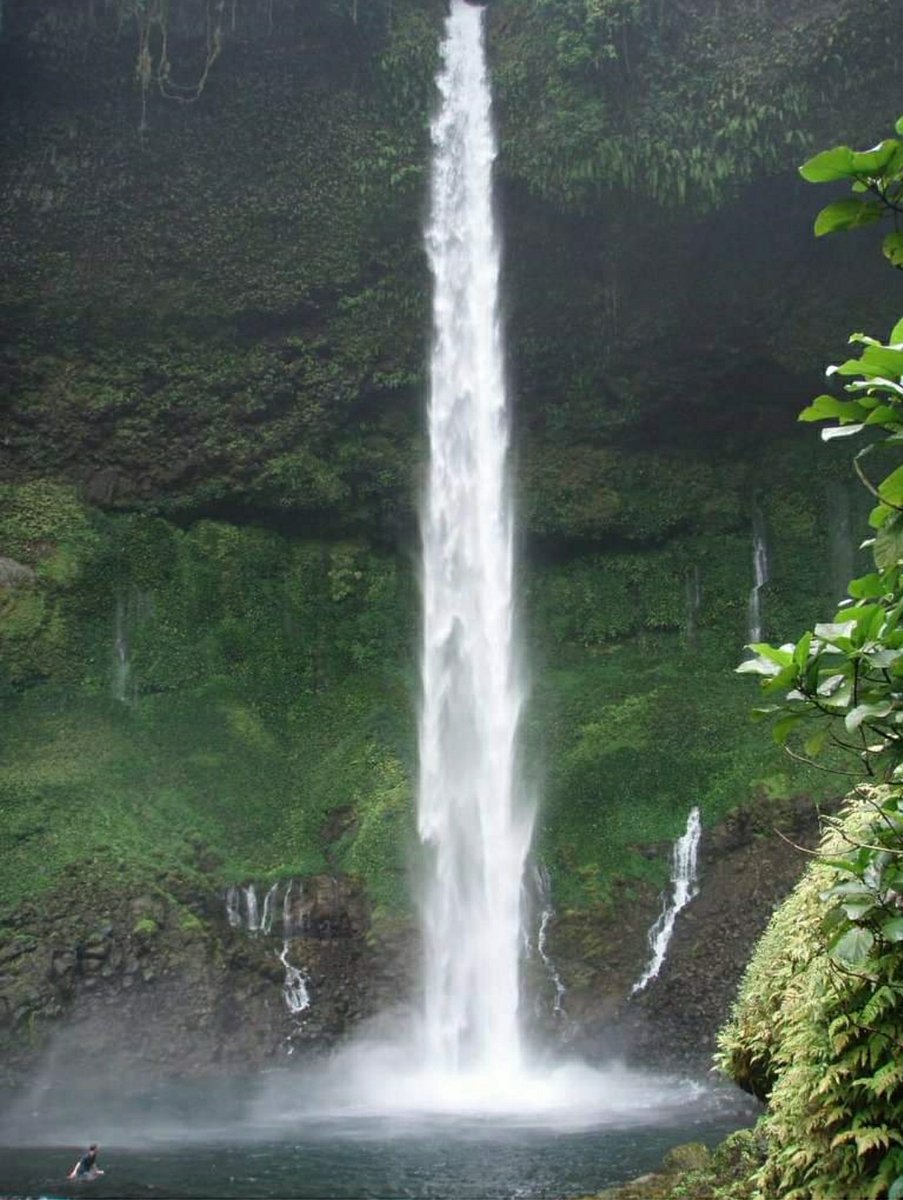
{"x":761,"y":572}
{"x":551,"y":969}
{"x":266,"y":917}
{"x":122,"y":683}
{"x":251,"y":915}
{"x":287,"y":922}
{"x":294,"y":989}
{"x":546,"y":913}
{"x":233,"y":907}
{"x":683,"y":888}
{"x":843,"y":541}
{"x":132,"y":608}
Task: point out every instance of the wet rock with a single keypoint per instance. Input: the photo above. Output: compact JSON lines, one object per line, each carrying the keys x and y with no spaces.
{"x":15,"y":575}
{"x":690,"y":1157}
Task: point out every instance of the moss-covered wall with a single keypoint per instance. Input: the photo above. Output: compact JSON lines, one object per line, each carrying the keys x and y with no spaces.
{"x":218,"y":684}
{"x":217,"y":320}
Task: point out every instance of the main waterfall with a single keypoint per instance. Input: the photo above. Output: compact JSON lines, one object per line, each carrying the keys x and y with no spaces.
{"x":464,"y":1057}
{"x":468,"y":811}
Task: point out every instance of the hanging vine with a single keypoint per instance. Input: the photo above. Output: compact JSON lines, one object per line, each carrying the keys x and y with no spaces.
{"x":153,"y":65}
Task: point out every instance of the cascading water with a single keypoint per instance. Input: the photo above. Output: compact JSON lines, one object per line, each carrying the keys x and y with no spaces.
{"x":468,"y":812}
{"x":266,"y":917}
{"x":467,"y":1055}
{"x":294,"y":989}
{"x":683,"y":889}
{"x":761,"y":571}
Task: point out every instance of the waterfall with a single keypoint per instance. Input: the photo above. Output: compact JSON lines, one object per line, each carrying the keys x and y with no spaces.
{"x":471,"y":695}
{"x":294,"y":989}
{"x":683,"y":889}
{"x":233,"y":910}
{"x":266,"y":917}
{"x":287,"y":910}
{"x":251,"y":908}
{"x":543,"y":888}
{"x":551,"y":969}
{"x":760,"y":577}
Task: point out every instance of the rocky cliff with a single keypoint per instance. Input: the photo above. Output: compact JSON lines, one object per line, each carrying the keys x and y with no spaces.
{"x":216,"y":314}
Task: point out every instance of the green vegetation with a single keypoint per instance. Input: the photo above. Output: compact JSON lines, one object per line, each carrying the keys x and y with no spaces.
{"x":839,"y":685}
{"x":821,"y":1039}
{"x":214,"y":431}
{"x":214,"y":685}
{"x":681,"y":106}
{"x":817,"y":1029}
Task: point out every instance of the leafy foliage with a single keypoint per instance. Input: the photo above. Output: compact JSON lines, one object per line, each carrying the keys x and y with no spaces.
{"x":819,"y":1031}
{"x":678,"y":103}
{"x":819,"y":1027}
{"x":850,"y":669}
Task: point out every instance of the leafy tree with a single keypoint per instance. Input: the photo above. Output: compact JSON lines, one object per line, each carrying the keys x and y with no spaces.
{"x":840,"y":687}
{"x":841,"y":684}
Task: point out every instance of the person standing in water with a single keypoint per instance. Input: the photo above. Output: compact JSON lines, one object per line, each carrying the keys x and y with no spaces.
{"x":86,"y":1168}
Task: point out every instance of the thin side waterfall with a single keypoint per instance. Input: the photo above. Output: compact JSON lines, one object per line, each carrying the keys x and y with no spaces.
{"x":250,"y":895}
{"x":468,"y":813}
{"x":761,"y":570}
{"x":294,"y":988}
{"x":683,"y":889}
{"x":233,"y":907}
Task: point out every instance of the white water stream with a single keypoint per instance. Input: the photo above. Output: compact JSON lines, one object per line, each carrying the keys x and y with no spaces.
{"x":464,"y":1058}
{"x":683,"y":889}
{"x":468,"y":813}
{"x":761,"y":574}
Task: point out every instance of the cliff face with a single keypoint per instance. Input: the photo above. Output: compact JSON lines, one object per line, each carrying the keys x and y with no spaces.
{"x":217,"y":317}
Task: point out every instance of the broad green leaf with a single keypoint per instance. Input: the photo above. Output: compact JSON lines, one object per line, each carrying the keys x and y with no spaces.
{"x":857,"y":614}
{"x":892,"y":248}
{"x":850,"y":213}
{"x":801,"y":653}
{"x":896,"y":334}
{"x":892,"y":930}
{"x":785,"y":678}
{"x":757,"y":666}
{"x":884,"y":414}
{"x":879,"y":515}
{"x":873,"y":162}
{"x":899,"y":128}
{"x":867,"y":587}
{"x":867,"y":712}
{"x":782,"y":655}
{"x":882,"y":360}
{"x":876,"y":360}
{"x":854,"y":947}
{"x":889,"y":543}
{"x":884,"y":658}
{"x":830,"y":164}
{"x":840,"y":699}
{"x":850,"y":887}
{"x":825,"y":407}
{"x":830,"y":685}
{"x":840,"y":864}
{"x":830,"y":631}
{"x":891,"y":489}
